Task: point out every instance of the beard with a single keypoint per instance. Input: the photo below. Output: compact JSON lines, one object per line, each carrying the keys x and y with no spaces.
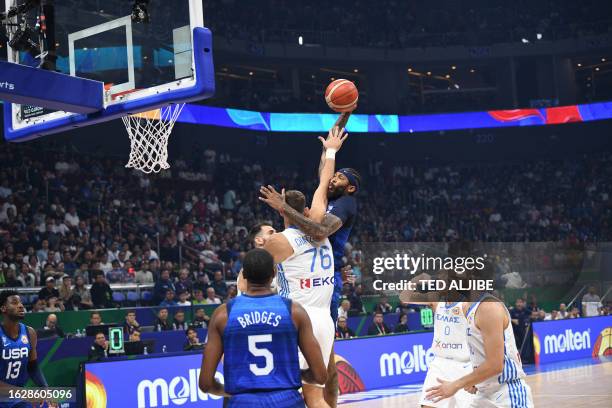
{"x":336,"y":192}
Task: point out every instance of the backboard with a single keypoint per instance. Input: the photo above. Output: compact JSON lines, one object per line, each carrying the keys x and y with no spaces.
{"x":148,"y":53}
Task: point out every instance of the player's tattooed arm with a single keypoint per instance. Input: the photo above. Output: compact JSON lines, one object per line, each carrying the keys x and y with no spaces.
{"x":213,"y":353}
{"x":317,"y":230}
{"x":317,"y":372}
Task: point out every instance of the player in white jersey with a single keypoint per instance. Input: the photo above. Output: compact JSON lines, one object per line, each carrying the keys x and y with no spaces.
{"x":451,"y":359}
{"x":259,"y":235}
{"x":498,"y":373}
{"x":306,"y":275}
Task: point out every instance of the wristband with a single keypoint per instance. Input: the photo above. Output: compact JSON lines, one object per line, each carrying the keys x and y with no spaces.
{"x":330,"y":154}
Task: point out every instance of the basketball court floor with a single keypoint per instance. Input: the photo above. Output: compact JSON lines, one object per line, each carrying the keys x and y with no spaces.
{"x":580,"y":383}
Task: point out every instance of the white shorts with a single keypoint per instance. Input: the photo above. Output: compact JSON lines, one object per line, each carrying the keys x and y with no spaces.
{"x":450,"y":370}
{"x":516,"y":394}
{"x":324,"y":331}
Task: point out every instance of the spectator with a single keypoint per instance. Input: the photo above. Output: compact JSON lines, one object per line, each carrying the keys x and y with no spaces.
{"x":192,"y":342}
{"x":345,"y":305}
{"x":519,"y":316}
{"x":202,"y":283}
{"x":591,"y":302}
{"x":562,"y":312}
{"x":95,"y":319}
{"x":130,"y":325}
{"x":117,"y":274}
{"x":355,"y":299}
{"x":169,"y":299}
{"x":342,"y":330}
{"x":65,"y":290}
{"x":232,"y":292}
{"x":54,"y":305}
{"x":51,"y":327}
{"x":161,"y":322}
{"x":378,"y":327}
{"x":574,"y":313}
{"x":183,"y":299}
{"x":101,"y":293}
{"x":134,"y":336}
{"x":211,"y":299}
{"x":200,"y":320}
{"x":179,"y":321}
{"x":143,"y":274}
{"x":26,"y":277}
{"x":383,"y":306}
{"x":554,"y":315}
{"x":402,"y":326}
{"x":39,"y":306}
{"x":219,"y":284}
{"x":81,"y":290}
{"x":99,"y":350}
{"x":198,"y":297}
{"x":162,"y":285}
{"x":184,"y":283}
{"x":48,"y":290}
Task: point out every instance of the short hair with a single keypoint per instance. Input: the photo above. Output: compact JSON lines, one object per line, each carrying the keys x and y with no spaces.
{"x":94,"y":313}
{"x":256,"y":229}
{"x":258,"y":266}
{"x":130,"y":311}
{"x":7,"y":294}
{"x":296,"y":200}
{"x":190,"y":328}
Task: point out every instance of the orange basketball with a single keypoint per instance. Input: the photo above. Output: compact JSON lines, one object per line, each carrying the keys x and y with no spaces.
{"x":342,"y":95}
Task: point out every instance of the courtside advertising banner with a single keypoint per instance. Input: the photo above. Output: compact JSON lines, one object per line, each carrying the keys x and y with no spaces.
{"x":570,"y":339}
{"x":385,"y":361}
{"x":148,"y":383}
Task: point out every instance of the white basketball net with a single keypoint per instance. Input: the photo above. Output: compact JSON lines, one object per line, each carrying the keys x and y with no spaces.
{"x":149,"y":133}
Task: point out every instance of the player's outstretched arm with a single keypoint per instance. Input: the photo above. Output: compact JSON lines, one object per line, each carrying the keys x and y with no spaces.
{"x":340,"y":123}
{"x":213,"y":353}
{"x":317,"y":372}
{"x":34,"y":370}
{"x":490,"y":321}
{"x":331,"y":145}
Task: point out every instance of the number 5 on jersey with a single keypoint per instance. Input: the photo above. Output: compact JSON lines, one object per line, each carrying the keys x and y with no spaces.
{"x":261,"y":352}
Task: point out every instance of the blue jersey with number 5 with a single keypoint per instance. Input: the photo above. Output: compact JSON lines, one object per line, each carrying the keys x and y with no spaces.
{"x":260,"y":345}
{"x":15,"y":356}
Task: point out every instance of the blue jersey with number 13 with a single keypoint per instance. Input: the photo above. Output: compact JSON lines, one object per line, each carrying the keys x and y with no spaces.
{"x":15,"y":356}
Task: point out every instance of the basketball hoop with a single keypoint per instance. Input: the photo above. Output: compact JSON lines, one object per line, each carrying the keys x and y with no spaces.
{"x":149,"y":133}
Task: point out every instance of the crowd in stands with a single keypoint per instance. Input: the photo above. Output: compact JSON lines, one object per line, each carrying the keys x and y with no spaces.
{"x":68,"y":221}
{"x":400,"y":24}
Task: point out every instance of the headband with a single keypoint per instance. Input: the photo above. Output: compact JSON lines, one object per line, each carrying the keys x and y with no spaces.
{"x":351,"y":177}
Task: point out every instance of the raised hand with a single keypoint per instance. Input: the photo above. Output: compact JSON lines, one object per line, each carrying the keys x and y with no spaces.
{"x":272,"y":197}
{"x":335,"y":138}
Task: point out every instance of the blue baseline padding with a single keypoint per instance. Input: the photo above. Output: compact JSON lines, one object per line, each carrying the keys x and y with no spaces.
{"x":203,"y":88}
{"x":32,"y":86}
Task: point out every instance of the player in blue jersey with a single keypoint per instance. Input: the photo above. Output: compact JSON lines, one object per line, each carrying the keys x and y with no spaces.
{"x":336,"y":224}
{"x":259,"y":334}
{"x":19,"y":361}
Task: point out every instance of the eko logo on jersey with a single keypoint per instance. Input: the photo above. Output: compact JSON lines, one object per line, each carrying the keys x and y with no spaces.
{"x":315,"y":282}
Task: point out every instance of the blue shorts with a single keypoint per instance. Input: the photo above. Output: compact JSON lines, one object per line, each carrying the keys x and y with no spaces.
{"x":276,"y":399}
{"x":335,"y":302}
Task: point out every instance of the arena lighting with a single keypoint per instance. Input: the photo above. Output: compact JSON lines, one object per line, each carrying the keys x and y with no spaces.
{"x":597,"y":69}
{"x":301,"y":40}
{"x":447,"y":76}
{"x":579,"y":65}
{"x":428,"y":72}
{"x":453,"y":67}
{"x":472,"y":70}
{"x":603,"y":60}
{"x":525,"y":41}
{"x":355,"y":70}
{"x":539,"y":36}
{"x":409,"y":69}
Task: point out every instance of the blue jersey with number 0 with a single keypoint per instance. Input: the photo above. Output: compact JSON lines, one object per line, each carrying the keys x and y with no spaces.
{"x":15,"y":356}
{"x":260,"y":345}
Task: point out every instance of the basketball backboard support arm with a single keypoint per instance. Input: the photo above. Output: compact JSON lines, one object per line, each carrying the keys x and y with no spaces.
{"x":143,"y":66}
{"x":203,"y":88}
